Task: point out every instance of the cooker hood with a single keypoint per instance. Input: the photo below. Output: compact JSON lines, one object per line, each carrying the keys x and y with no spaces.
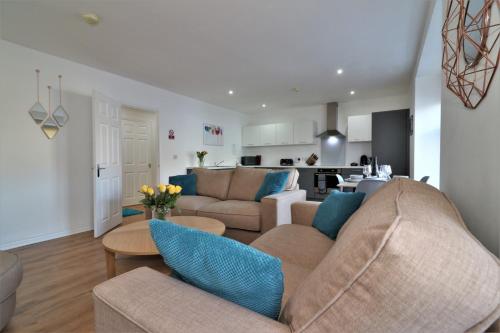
{"x":332,"y":121}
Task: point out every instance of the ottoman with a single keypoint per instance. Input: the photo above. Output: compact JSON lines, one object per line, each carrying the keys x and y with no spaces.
{"x":11,"y":273}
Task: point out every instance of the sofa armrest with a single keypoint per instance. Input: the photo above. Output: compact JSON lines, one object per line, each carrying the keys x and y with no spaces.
{"x":144,"y":300}
{"x":275,"y":209}
{"x":303,"y":212}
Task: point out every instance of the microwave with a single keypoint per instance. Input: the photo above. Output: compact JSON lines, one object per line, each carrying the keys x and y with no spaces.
{"x":251,"y":160}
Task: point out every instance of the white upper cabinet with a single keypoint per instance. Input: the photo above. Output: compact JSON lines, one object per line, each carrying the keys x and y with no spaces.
{"x":303,"y":132}
{"x":281,"y":134}
{"x":268,"y":135}
{"x":251,"y":136}
{"x":284,"y":134}
{"x":359,"y":128}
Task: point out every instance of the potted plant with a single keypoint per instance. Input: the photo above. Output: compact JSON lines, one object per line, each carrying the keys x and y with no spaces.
{"x":201,"y":157}
{"x":162,"y":201}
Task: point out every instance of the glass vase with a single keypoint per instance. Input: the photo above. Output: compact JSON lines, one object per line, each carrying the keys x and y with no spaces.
{"x":201,"y":162}
{"x":161,"y":213}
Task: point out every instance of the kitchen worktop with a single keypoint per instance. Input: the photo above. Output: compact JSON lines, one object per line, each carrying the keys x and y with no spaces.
{"x":284,"y":167}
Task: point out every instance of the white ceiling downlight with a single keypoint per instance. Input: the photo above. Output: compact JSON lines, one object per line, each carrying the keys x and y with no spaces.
{"x":230,"y":92}
{"x":90,"y":18}
{"x":340,"y":71}
{"x":352,"y":92}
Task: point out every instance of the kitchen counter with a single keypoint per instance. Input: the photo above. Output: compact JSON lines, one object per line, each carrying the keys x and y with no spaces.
{"x":284,"y":167}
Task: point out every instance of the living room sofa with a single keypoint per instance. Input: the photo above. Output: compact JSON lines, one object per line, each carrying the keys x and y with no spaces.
{"x":404,"y":262}
{"x":229,"y":196}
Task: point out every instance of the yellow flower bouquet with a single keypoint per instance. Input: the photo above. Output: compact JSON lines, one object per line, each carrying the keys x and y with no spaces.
{"x":162,"y":200}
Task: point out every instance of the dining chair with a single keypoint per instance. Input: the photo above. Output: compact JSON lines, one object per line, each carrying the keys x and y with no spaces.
{"x":424,"y":179}
{"x":369,"y":186}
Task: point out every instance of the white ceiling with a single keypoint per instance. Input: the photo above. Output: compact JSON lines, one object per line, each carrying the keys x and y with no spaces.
{"x":260,"y":49}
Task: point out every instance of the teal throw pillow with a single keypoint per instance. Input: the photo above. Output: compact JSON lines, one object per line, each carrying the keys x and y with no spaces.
{"x":335,"y":210}
{"x":187,"y":182}
{"x":221,"y":266}
{"x":273,"y":183}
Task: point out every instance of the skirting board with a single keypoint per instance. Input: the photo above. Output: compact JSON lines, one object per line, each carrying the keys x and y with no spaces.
{"x":44,"y":237}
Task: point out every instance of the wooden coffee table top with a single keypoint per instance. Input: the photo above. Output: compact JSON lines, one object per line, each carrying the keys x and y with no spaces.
{"x":135,"y":238}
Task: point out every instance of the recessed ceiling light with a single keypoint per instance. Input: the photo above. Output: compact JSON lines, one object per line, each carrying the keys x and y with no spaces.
{"x":230,"y":92}
{"x":352,"y":92}
{"x":264,"y":105}
{"x":90,"y":18}
{"x":340,"y":71}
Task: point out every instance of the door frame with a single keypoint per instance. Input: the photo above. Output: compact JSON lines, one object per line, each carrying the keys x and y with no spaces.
{"x":156,"y":142}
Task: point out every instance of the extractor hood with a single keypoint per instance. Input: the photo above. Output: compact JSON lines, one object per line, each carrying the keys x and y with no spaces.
{"x":332,"y":121}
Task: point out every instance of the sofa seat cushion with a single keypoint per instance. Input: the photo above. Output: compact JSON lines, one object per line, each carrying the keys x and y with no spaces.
{"x":246,"y":182}
{"x":404,"y":262}
{"x":296,"y":244}
{"x":213,"y":183}
{"x":293,"y":275}
{"x":235,"y":214}
{"x":188,"y":205}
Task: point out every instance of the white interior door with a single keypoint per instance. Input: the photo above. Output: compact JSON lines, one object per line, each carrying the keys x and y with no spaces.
{"x":107,"y":164}
{"x":137,"y":149}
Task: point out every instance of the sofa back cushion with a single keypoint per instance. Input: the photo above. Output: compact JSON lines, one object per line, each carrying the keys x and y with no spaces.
{"x":293,"y":178}
{"x":246,"y":182}
{"x":403,"y":262}
{"x":213,"y":183}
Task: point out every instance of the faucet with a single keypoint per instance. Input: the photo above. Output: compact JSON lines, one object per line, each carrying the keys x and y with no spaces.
{"x":218,"y":163}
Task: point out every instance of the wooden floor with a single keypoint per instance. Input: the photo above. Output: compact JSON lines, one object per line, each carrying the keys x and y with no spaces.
{"x":56,"y":292}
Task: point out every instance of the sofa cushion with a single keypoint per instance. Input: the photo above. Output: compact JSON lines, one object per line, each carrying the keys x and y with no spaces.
{"x":213,"y":183}
{"x":402,"y":263}
{"x":246,"y":182}
{"x":190,"y":204}
{"x":11,"y":273}
{"x":273,"y":183}
{"x":234,"y":214}
{"x":297,"y":244}
{"x":293,"y":178}
{"x":221,"y":266}
{"x":335,"y":210}
{"x":187,"y":182}
{"x":293,"y":276}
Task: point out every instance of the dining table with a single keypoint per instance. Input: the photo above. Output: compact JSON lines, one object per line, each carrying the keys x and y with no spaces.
{"x":349,"y":184}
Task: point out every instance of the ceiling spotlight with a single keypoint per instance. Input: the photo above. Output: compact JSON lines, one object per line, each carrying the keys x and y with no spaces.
{"x":230,"y":92}
{"x":90,"y":18}
{"x":340,"y":71}
{"x":264,"y":105}
{"x":352,"y":92}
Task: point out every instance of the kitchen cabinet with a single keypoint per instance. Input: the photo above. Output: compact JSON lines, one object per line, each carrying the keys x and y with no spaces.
{"x":359,"y":128}
{"x":303,"y":132}
{"x":284,"y":134}
{"x":268,"y":135}
{"x":251,"y":136}
{"x":280,"y":134}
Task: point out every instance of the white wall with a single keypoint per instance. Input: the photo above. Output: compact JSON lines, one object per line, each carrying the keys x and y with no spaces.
{"x":470,"y":162}
{"x":46,"y":186}
{"x":427,"y":128}
{"x":425,"y":143}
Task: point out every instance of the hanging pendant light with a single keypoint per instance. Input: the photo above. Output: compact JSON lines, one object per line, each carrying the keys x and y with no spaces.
{"x":60,"y":115}
{"x":49,"y":126}
{"x":37,"y":111}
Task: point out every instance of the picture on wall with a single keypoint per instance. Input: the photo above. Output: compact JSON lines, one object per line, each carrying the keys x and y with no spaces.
{"x":213,"y":135}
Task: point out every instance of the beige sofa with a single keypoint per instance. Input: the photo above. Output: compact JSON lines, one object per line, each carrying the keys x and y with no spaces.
{"x":404,"y":262}
{"x":229,"y":196}
{"x":11,"y":274}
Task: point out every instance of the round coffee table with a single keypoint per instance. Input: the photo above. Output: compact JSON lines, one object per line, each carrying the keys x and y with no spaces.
{"x":134,"y":239}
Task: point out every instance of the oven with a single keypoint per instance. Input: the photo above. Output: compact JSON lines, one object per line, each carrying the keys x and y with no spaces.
{"x":326,"y":180}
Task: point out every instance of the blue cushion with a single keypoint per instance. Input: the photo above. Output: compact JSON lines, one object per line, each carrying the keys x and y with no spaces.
{"x":273,"y":183}
{"x":187,"y":182}
{"x":222,"y":266}
{"x":335,"y":211}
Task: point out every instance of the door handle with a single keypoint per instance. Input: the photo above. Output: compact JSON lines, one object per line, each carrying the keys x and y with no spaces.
{"x":99,"y":168}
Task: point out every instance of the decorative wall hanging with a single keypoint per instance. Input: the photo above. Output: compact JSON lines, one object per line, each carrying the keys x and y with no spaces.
{"x":471,"y":33}
{"x":49,"y":122}
{"x":213,"y":135}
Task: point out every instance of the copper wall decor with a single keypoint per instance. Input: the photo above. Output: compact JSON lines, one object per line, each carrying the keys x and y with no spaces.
{"x":471,"y":44}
